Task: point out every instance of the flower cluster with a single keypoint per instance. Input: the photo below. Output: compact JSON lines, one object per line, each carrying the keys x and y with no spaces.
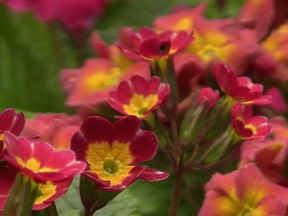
{"x":51,"y":170}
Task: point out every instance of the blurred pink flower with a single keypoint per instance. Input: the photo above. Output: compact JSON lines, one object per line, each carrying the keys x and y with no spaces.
{"x":75,"y":15}
{"x":270,"y":156}
{"x":257,"y":15}
{"x":90,"y":84}
{"x":182,"y":20}
{"x":54,"y":128}
{"x":279,"y":128}
{"x":243,"y":192}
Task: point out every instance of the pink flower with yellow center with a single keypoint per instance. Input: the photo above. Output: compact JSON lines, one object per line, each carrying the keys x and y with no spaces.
{"x":149,"y":45}
{"x":54,"y":128}
{"x":40,"y":161}
{"x":248,"y":126}
{"x":112,"y":150}
{"x":241,"y":89}
{"x":10,"y":121}
{"x":48,"y":192}
{"x":138,"y":96}
{"x":94,"y":81}
{"x":270,"y":156}
{"x":243,"y":192}
{"x":210,"y":43}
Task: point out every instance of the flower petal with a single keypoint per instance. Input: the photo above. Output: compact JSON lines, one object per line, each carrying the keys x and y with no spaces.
{"x":144,"y":146}
{"x":152,"y":175}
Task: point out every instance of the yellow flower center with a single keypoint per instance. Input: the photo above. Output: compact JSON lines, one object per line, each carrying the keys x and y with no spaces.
{"x":45,"y":191}
{"x":210,"y":46}
{"x":110,"y":163}
{"x":34,"y":165}
{"x":252,"y":128}
{"x":184,"y":23}
{"x":102,"y":80}
{"x":209,"y":53}
{"x":139,"y":104}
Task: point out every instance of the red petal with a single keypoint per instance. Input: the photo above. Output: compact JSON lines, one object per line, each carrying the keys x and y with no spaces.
{"x":152,"y":175}
{"x":144,"y":146}
{"x":18,"y":124}
{"x":6,"y":119}
{"x":126,"y":128}
{"x":97,"y":129}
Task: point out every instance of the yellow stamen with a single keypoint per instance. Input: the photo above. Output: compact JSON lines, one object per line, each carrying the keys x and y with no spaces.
{"x":45,"y":192}
{"x":110,"y":163}
{"x":140,"y":104}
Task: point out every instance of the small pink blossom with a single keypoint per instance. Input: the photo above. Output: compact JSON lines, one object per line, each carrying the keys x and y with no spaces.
{"x":241,"y":89}
{"x":149,"y":45}
{"x":248,"y":126}
{"x":139,"y":96}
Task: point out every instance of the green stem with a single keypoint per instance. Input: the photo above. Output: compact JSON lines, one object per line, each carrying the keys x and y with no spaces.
{"x":21,"y":197}
{"x":177,"y":188}
{"x":51,"y":210}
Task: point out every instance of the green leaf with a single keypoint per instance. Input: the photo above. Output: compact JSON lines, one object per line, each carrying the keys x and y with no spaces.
{"x":124,"y":204}
{"x":154,"y":197}
{"x":72,"y":213}
{"x":70,"y":202}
